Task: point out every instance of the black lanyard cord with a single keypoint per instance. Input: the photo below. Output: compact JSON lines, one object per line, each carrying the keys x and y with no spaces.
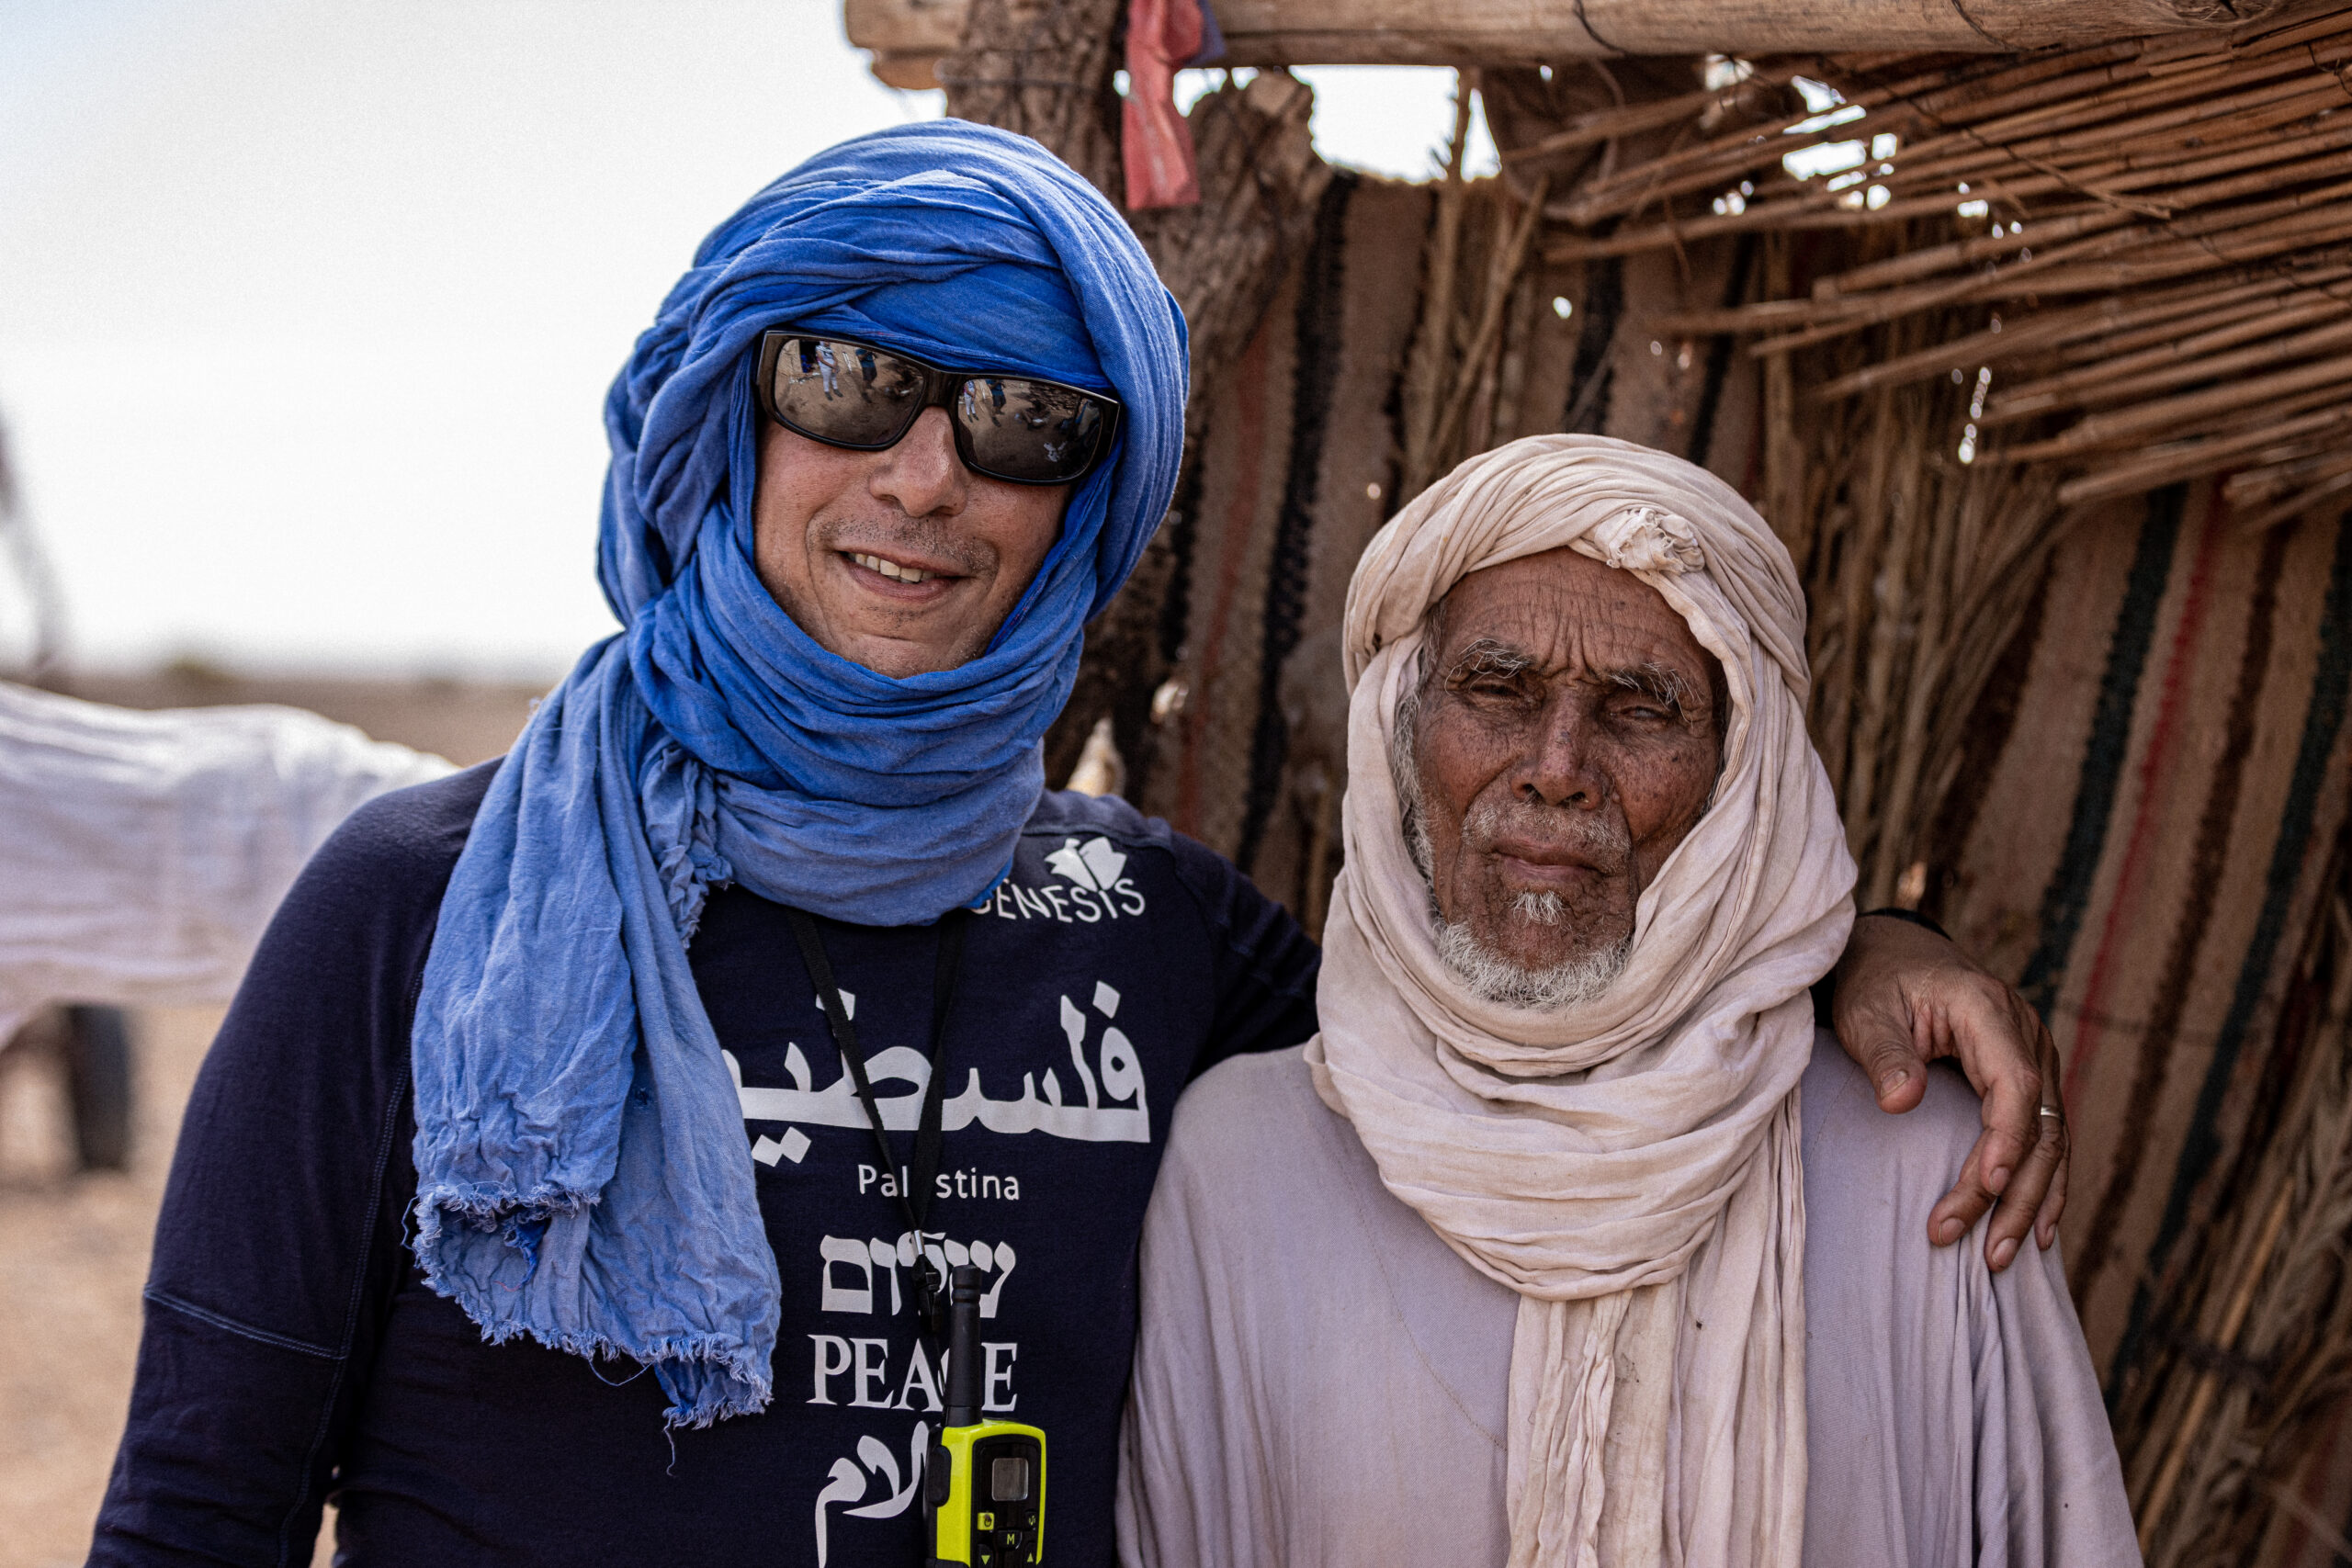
{"x":915,"y":1190}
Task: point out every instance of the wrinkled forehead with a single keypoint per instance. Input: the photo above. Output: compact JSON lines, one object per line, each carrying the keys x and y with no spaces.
{"x":1563,"y":612}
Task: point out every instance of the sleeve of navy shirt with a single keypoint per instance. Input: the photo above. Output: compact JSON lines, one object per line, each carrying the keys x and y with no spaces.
{"x":275,"y":1235}
{"x":292,"y":1352}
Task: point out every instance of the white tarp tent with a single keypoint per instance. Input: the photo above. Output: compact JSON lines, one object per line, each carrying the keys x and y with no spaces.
{"x":143,"y":853}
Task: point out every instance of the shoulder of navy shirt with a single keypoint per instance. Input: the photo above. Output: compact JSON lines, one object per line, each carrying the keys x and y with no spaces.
{"x":292,"y":1351}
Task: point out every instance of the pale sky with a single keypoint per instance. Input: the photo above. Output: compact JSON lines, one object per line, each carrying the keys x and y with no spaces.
{"x":307,"y":310}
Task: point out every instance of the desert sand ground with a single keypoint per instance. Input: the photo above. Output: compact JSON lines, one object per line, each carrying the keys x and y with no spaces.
{"x":73,"y":1248}
{"x":72,"y":1256}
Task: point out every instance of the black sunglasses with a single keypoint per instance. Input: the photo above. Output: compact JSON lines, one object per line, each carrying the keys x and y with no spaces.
{"x":1021,"y":429}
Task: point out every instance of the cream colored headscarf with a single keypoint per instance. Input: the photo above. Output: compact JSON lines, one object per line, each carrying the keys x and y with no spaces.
{"x":1629,"y":1166}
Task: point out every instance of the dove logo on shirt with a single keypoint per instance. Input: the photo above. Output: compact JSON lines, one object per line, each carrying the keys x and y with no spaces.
{"x":1098,"y":887}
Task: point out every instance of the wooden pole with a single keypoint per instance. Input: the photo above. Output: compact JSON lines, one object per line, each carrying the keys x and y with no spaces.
{"x":1432,"y":349}
{"x":1510,"y":258}
{"x":1414,"y":32}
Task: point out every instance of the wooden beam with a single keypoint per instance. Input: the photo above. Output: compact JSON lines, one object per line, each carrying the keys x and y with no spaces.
{"x":1268,"y":32}
{"x":1415,"y":32}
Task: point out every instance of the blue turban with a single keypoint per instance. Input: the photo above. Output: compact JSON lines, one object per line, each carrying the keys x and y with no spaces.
{"x":582,"y":1173}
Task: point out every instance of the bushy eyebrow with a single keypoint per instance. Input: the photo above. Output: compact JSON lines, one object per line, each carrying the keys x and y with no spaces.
{"x":1660,"y":682}
{"x":1488,"y":655}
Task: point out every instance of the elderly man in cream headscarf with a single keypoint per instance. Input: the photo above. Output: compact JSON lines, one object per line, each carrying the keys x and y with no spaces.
{"x":1520,"y":1261}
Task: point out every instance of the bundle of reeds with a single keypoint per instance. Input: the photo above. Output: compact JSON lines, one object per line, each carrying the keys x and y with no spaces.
{"x":2146,"y":243}
{"x":1999,"y":291}
{"x":1917,"y":567}
{"x":1478,"y":256}
{"x":2256,"y":1345}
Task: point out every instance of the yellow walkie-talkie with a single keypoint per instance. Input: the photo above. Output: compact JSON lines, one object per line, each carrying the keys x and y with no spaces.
{"x":984,"y":1481}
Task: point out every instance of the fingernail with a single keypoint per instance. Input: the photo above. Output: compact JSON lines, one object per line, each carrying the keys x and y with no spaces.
{"x":2003,"y":1251}
{"x":1896,"y":1079}
{"x":1949,"y":1232}
{"x":1999,"y":1181}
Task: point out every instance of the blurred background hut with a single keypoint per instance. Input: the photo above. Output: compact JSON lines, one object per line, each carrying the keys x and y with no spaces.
{"x":2029,"y":327}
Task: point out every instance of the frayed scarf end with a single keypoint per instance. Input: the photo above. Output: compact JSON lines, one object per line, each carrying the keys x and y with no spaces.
{"x":733,"y":1392}
{"x":519,"y":1223}
{"x":709,"y":1377}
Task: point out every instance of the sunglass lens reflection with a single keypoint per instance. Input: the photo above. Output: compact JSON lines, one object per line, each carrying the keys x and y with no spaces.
{"x":1033,"y":431}
{"x":843,"y":391}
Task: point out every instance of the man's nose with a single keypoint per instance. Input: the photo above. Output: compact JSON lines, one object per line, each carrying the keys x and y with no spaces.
{"x":1559,"y":766}
{"x":921,"y":475}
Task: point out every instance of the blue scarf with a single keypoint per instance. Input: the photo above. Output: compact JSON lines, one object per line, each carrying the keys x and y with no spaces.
{"x":582,"y":1175}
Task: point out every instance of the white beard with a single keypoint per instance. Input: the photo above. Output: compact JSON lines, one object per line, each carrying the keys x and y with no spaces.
{"x":1490,"y":976}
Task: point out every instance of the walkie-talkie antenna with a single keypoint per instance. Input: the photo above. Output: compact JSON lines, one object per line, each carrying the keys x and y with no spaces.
{"x":985,"y":1479}
{"x":964,"y":1347}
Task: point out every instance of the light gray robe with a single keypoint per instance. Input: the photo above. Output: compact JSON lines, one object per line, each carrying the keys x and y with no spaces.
{"x":1321,"y":1381}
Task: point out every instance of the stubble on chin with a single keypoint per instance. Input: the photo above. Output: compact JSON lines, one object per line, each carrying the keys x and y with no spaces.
{"x":868,"y":631}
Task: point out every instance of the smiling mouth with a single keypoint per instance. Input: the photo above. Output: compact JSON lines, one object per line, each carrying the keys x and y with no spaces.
{"x":895,"y":571}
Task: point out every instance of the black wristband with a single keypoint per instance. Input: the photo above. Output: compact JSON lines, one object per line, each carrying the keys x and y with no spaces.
{"x":1825,"y":990}
{"x":1917,"y":918}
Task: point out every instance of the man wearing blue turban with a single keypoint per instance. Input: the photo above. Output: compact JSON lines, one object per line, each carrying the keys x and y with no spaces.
{"x":774,"y":865}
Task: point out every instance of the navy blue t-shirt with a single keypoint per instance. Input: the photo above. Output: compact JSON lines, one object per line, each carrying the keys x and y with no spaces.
{"x":292,"y":1351}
